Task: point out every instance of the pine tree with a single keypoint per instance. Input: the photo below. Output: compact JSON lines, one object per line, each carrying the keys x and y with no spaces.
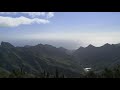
{"x":48,"y":75}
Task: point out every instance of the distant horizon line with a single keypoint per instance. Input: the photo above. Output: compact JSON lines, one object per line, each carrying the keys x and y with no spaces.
{"x":90,"y":45}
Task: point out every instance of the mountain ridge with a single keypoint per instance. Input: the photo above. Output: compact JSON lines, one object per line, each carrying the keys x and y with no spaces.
{"x":41,"y":57}
{"x":37,"y":58}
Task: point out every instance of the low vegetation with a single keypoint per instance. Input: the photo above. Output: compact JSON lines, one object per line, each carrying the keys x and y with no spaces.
{"x":106,"y":73}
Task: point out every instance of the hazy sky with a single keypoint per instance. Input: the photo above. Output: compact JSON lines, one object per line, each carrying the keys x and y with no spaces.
{"x":67,"y":29}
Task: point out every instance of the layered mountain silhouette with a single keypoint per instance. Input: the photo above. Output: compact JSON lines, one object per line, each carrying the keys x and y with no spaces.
{"x":97,"y":58}
{"x":35,"y":59}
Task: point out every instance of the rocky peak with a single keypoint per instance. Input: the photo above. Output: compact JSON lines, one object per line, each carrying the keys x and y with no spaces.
{"x":6,"y":44}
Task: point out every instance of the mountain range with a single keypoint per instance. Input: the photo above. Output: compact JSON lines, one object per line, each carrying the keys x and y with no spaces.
{"x":98,"y":58}
{"x":39,"y":58}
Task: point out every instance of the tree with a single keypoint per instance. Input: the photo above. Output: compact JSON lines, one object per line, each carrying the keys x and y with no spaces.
{"x":107,"y":73}
{"x":56,"y":74}
{"x":90,"y":74}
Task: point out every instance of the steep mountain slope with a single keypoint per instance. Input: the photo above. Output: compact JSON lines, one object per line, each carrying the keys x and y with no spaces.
{"x":98,"y":57}
{"x":37,"y":58}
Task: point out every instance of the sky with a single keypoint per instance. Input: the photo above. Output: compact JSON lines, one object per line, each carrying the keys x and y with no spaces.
{"x":61,"y":29}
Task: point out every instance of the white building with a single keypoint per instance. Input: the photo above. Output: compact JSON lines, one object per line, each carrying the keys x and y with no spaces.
{"x":87,"y":69}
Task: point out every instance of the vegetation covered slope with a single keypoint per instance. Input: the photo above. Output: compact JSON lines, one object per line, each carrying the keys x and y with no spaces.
{"x":46,"y":58}
{"x":98,"y":57}
{"x":36,"y":59}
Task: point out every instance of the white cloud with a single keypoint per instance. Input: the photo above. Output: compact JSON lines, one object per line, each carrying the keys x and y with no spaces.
{"x":37,"y":14}
{"x":34,"y":14}
{"x":31,"y":14}
{"x":8,"y":13}
{"x":50,"y":14}
{"x":14,"y":22}
{"x":34,"y":17}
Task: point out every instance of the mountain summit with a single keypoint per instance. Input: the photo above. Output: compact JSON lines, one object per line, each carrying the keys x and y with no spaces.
{"x":36,"y":59}
{"x":6,"y":44}
{"x":46,"y":57}
{"x":90,"y":46}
